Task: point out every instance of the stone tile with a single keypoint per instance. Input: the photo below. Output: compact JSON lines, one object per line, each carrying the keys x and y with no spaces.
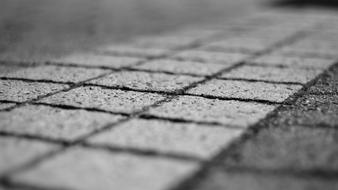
{"x":22,"y":91}
{"x":164,"y":42}
{"x":146,"y":81}
{"x":221,"y":179}
{"x":97,"y":60}
{"x":104,"y":99}
{"x":315,"y":48}
{"x":53,"y":122}
{"x":213,"y":110}
{"x":289,"y":148}
{"x":293,"y":62}
{"x":240,"y":44}
{"x":134,"y":51}
{"x":273,"y":74}
{"x":57,"y":74}
{"x":211,"y":57}
{"x":101,"y":170}
{"x":5,"y":105}
{"x":162,"y":136}
{"x":183,"y":67}
{"x":246,"y":90}
{"x":15,"y":152}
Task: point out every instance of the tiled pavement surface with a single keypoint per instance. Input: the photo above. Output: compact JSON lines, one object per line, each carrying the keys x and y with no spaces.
{"x":238,"y":105}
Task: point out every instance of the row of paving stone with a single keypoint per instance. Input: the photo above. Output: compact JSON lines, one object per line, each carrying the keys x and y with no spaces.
{"x":296,"y":148}
{"x":179,"y":95}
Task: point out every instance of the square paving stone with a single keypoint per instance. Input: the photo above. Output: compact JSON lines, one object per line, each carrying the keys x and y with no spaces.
{"x":96,"y":60}
{"x":165,"y":42}
{"x":183,"y":67}
{"x":293,"y":62}
{"x":219,"y":178}
{"x":101,"y":170}
{"x":104,"y":99}
{"x":246,"y":90}
{"x":57,"y":74}
{"x":188,"y":139}
{"x":211,"y":57}
{"x":201,"y":109}
{"x":15,"y":152}
{"x":315,"y":48}
{"x":134,"y":51}
{"x":20,"y":91}
{"x":240,"y":44}
{"x":273,"y":74}
{"x":146,"y":81}
{"x":53,"y":122}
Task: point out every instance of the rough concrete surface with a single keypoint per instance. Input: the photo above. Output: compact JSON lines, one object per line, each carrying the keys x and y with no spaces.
{"x":174,"y":95}
{"x":146,"y":81}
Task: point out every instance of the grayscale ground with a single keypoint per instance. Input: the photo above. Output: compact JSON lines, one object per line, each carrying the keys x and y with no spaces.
{"x":167,"y":95}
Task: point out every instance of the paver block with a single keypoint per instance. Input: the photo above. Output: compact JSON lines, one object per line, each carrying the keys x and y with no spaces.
{"x":146,"y":81}
{"x":246,"y":90}
{"x":240,"y":44}
{"x":313,"y":48}
{"x":134,"y":51}
{"x":289,"y":148}
{"x":57,"y":74}
{"x":293,"y":62}
{"x":101,"y":170}
{"x":104,"y":99}
{"x":5,"y":105}
{"x":96,"y":60}
{"x":162,"y":136}
{"x":165,"y":42}
{"x":213,"y":110}
{"x":222,"y":179}
{"x":183,"y":67}
{"x":15,"y":152}
{"x":22,"y":91}
{"x":53,"y":122}
{"x":211,"y":57}
{"x":273,"y":74}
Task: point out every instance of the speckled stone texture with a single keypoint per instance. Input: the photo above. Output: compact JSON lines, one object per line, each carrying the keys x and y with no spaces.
{"x":183,"y":67}
{"x":97,"y":60}
{"x":57,"y":74}
{"x":44,"y":121}
{"x":230,"y":112}
{"x":110,"y":169}
{"x":210,"y":57}
{"x":246,"y":90}
{"x":146,"y":81}
{"x":315,"y":48}
{"x":133,"y":51}
{"x":20,"y":91}
{"x":273,"y":74}
{"x":293,"y":62}
{"x":16,"y":151}
{"x":104,"y":99}
{"x":163,"y":136}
